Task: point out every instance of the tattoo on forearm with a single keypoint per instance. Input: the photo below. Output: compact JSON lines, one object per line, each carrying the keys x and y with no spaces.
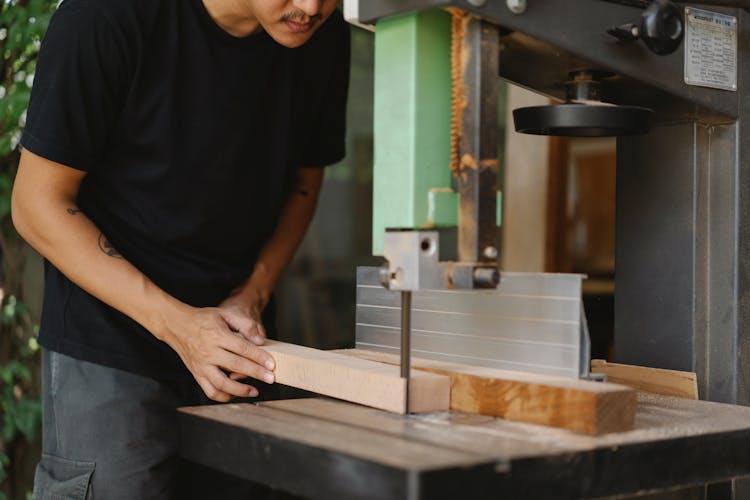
{"x":106,"y":247}
{"x":74,"y":211}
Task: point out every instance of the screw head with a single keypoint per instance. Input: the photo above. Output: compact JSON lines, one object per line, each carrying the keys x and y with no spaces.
{"x":490,"y":252}
{"x":478,"y":3}
{"x":516,"y":6}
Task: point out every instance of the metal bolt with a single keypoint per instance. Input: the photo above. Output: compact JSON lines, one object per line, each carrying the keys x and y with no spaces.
{"x":490,"y":252}
{"x":385,"y":275}
{"x":426,"y":245}
{"x":486,"y":277}
{"x":478,"y":3}
{"x":516,"y":6}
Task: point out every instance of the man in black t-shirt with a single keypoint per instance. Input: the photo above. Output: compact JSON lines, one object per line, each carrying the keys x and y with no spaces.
{"x":171,"y":166}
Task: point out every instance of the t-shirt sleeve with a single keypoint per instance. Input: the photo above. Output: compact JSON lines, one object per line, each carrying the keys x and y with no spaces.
{"x":81,"y":80}
{"x":325,"y":139}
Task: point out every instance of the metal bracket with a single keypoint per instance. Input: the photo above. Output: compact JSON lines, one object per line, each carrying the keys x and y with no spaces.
{"x":413,"y":263}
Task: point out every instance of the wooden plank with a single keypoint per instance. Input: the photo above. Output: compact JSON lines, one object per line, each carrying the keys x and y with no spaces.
{"x":577,"y":405}
{"x":357,"y":380}
{"x":655,"y":380}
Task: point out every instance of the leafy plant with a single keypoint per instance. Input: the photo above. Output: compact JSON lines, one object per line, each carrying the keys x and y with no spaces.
{"x":22,"y":26}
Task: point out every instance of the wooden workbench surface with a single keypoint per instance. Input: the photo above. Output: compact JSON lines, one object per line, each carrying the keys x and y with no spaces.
{"x":323,"y":448}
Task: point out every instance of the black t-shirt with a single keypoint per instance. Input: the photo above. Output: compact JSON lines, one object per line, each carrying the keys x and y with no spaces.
{"x":190,"y":138}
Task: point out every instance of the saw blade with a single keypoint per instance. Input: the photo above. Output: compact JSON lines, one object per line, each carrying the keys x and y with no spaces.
{"x":459,"y":60}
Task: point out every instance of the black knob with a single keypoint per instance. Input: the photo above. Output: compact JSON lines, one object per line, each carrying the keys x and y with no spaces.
{"x":661,"y":28}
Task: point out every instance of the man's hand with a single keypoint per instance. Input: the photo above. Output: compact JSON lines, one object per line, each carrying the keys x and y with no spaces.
{"x":243,"y":310}
{"x":213,"y":341}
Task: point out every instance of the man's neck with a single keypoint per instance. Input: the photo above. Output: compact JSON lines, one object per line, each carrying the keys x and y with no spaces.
{"x":233,"y":16}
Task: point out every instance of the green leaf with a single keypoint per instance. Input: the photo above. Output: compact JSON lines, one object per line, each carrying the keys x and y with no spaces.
{"x":14,"y":372}
{"x":28,"y":417}
{"x":33,"y":344}
{"x":9,"y":311}
{"x":13,"y":310}
{"x":4,"y":145}
{"x":4,"y":463}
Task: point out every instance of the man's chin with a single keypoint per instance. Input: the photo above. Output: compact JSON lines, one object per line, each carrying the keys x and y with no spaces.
{"x":291,"y":40}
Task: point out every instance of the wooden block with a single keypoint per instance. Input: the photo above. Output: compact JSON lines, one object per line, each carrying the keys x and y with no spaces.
{"x":357,"y":380}
{"x":578,"y":405}
{"x":655,"y":380}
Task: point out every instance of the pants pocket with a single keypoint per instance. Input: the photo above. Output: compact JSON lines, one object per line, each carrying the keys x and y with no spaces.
{"x":62,"y":479}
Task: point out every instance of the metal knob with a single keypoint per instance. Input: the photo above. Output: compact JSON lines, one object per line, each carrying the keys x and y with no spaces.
{"x":661,"y":28}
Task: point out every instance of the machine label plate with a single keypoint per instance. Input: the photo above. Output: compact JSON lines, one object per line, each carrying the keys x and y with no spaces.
{"x":710,"y":49}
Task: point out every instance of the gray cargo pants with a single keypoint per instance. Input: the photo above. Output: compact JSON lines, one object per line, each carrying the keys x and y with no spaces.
{"x":110,"y":434}
{"x":107,"y":433}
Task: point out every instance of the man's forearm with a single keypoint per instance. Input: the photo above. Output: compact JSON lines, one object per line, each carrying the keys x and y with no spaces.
{"x":278,"y":251}
{"x":52,"y":223}
{"x":206,"y":339}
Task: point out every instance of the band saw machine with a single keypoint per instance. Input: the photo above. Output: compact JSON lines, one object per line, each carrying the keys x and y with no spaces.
{"x":668,"y":79}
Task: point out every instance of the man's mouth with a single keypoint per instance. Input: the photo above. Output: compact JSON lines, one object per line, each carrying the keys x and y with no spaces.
{"x":295,"y":27}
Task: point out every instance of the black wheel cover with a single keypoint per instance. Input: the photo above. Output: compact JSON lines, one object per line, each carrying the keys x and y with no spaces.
{"x":583,"y":120}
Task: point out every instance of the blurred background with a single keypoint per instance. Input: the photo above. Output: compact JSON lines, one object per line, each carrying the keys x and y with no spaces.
{"x":558,"y":211}
{"x":22,"y":26}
